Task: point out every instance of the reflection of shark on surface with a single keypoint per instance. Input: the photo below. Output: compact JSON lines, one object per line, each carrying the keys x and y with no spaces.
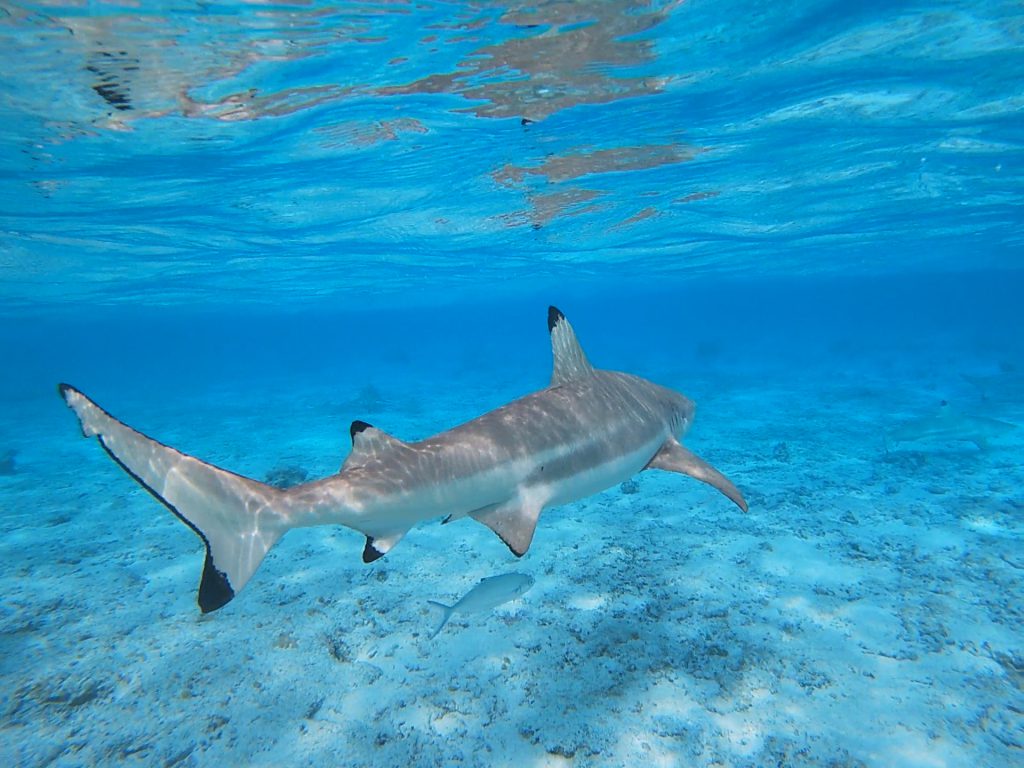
{"x":489,"y":593}
{"x":951,"y":425}
{"x":589,"y":430}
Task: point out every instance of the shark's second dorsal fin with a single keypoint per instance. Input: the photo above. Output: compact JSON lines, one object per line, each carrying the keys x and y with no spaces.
{"x":368,"y":442}
{"x":570,"y":360}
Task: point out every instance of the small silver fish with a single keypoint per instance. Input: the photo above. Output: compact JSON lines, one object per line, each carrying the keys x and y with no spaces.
{"x":489,"y":593}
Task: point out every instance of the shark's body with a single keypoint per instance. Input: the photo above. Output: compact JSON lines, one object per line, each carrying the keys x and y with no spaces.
{"x":589,"y":430}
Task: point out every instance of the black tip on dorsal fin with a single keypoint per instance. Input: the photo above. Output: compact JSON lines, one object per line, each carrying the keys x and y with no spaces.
{"x":369,"y":443}
{"x":570,"y":362}
{"x":357,"y":427}
{"x":554,"y":317}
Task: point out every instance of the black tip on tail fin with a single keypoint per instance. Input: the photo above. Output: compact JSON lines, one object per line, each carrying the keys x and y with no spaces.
{"x":554,"y":316}
{"x":370,"y":552}
{"x":237,"y":519}
{"x":214,"y":590}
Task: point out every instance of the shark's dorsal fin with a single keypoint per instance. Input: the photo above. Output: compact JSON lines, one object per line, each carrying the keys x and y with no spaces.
{"x":368,"y":442}
{"x":570,"y":360}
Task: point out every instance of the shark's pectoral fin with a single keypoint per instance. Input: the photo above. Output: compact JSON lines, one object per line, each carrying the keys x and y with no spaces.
{"x":673,"y":457}
{"x":378,"y":546}
{"x":514,"y":521}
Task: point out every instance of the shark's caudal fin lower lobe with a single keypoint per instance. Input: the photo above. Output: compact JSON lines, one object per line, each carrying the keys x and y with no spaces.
{"x":238,"y":519}
{"x":446,"y":612}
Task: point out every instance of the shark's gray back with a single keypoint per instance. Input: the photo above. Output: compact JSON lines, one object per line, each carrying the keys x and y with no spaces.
{"x":561,"y":428}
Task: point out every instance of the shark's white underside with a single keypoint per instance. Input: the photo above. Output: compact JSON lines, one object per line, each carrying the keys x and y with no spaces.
{"x":589,"y":430}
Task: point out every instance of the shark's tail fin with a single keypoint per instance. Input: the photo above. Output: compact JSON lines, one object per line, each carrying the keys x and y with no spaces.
{"x":446,"y":612}
{"x":238,"y":519}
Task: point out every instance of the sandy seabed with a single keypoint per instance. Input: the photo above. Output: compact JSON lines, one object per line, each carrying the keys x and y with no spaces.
{"x":866,"y":612}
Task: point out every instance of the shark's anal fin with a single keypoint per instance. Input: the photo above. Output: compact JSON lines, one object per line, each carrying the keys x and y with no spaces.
{"x":514,"y":521}
{"x":378,"y":546}
{"x":673,"y":457}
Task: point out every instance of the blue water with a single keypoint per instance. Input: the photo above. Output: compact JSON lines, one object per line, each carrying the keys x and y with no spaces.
{"x":241,"y":226}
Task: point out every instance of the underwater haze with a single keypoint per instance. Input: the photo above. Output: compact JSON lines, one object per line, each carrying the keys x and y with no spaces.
{"x":240,"y":227}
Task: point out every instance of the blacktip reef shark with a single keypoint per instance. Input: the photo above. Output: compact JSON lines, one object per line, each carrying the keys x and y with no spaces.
{"x":589,"y":430}
{"x":951,"y":425}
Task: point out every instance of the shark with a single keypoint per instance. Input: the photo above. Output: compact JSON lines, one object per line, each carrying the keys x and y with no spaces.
{"x":949,"y":425}
{"x":589,"y":430}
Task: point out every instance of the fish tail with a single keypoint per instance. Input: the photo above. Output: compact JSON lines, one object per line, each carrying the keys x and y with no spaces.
{"x":446,"y":613}
{"x":238,"y":519}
